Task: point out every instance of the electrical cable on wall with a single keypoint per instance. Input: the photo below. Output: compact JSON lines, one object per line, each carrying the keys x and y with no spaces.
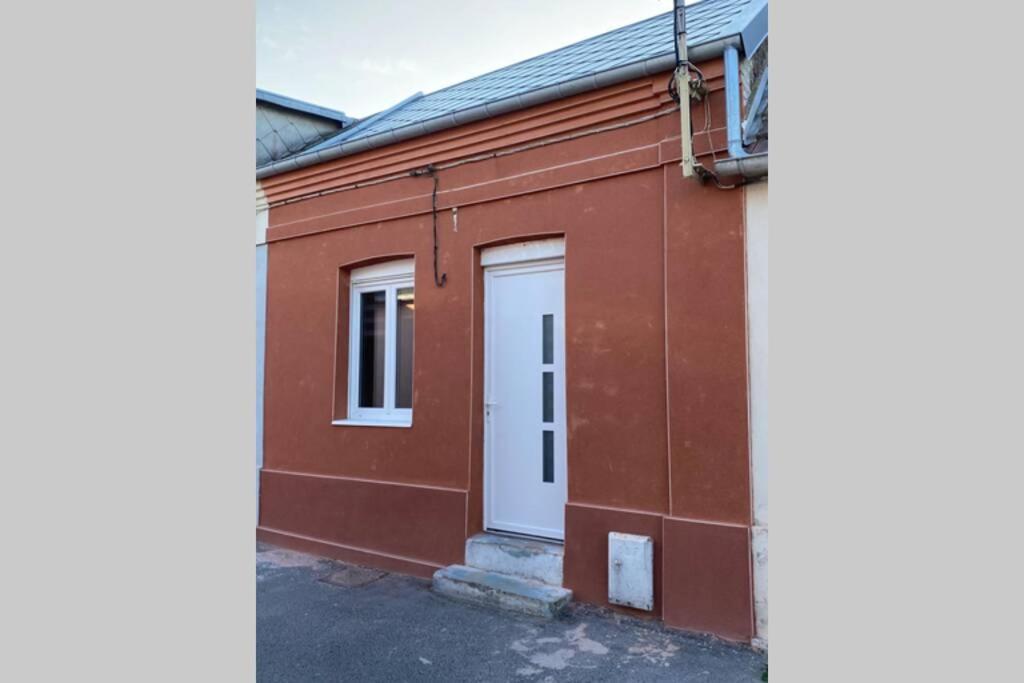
{"x":431,"y":170}
{"x":699,"y":92}
{"x":696,"y":89}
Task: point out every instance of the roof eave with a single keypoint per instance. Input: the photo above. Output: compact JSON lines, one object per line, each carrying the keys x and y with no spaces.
{"x":753,"y":28}
{"x":517,"y":102}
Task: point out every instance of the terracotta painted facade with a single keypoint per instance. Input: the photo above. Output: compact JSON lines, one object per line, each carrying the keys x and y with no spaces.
{"x":656,"y":350}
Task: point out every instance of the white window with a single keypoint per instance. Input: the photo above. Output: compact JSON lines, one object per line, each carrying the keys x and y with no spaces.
{"x":381,"y":343}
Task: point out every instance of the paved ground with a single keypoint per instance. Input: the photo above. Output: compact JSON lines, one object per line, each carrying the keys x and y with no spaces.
{"x":323,"y":620}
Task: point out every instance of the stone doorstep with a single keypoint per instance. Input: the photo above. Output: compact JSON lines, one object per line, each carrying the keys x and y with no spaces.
{"x":529,"y":559}
{"x":491,"y":589}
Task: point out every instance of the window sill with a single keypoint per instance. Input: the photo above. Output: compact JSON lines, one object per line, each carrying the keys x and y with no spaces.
{"x":370,"y":423}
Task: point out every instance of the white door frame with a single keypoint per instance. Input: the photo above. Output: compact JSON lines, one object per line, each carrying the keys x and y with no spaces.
{"x":529,"y":257}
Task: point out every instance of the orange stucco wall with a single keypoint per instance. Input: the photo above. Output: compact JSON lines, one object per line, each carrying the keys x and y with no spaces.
{"x":656,"y":383}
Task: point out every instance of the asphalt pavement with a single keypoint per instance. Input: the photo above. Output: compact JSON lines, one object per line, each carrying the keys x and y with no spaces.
{"x":322,"y":620}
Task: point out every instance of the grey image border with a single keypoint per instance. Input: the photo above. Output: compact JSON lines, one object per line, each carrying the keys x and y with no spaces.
{"x":129,"y":308}
{"x":894,"y":362}
{"x":894,"y":339}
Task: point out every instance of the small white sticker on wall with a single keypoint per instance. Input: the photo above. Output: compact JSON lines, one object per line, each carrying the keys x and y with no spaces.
{"x":631,"y":570}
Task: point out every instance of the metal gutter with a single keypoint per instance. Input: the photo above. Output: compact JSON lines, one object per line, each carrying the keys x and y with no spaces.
{"x":576,"y":86}
{"x":748,"y":166}
{"x":326,"y":150}
{"x":359,"y":125}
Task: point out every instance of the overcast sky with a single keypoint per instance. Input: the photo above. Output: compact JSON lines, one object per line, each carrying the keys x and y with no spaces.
{"x":363,"y":56}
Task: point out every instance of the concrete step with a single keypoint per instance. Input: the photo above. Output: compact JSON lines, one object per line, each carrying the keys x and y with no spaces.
{"x":506,"y":592}
{"x":527,"y":559}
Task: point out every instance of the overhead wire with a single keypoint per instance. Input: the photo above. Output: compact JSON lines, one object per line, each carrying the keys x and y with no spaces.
{"x":480,"y":157}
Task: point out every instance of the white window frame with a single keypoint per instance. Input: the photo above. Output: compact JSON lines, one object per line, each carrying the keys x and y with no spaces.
{"x":388,"y":278}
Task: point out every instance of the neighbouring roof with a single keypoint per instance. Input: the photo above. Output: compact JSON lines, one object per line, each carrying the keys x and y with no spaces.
{"x":643,"y":48}
{"x":286,"y":126}
{"x":304,"y":107}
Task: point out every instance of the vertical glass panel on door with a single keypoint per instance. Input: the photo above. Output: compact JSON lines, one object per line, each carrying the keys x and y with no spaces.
{"x":549,"y":339}
{"x":549,"y":397}
{"x":371,"y":350}
{"x":403,"y":347}
{"x":549,"y":457}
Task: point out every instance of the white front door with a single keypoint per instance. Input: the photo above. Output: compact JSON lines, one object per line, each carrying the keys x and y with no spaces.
{"x":524,"y":395}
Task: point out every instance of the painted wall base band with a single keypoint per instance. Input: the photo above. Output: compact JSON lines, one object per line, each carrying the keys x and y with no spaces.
{"x":339,"y":551}
{"x":653,"y":513}
{"x":363,"y":480}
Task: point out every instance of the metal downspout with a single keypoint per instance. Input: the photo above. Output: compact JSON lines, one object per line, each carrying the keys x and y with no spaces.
{"x":732,"y":103}
{"x":739,"y":161}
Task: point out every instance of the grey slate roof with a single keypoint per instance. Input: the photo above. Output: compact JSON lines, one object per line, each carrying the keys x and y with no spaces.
{"x":286,"y":126}
{"x":649,"y":43}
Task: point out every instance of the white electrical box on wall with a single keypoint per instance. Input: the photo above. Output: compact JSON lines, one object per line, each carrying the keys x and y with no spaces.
{"x":631,"y":570}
